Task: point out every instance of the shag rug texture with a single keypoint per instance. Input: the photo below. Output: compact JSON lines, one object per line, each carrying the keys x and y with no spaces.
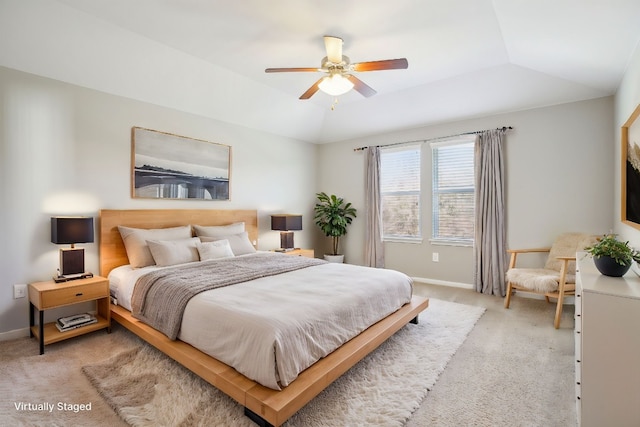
{"x":146,"y":388}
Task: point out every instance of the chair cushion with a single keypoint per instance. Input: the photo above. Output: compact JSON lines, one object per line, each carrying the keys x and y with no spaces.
{"x":565,"y":245}
{"x":537,"y":279}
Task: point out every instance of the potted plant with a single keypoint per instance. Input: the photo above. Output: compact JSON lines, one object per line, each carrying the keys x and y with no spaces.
{"x":333,"y":216}
{"x":611,"y":256}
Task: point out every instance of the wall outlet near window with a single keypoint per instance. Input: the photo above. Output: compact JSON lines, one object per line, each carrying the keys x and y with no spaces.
{"x":435,"y":257}
{"x":19,"y":291}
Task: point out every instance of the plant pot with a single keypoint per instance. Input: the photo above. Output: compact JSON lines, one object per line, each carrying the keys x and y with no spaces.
{"x":334,"y":258}
{"x":609,"y":267}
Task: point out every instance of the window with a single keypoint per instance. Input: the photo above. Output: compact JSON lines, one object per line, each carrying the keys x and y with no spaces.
{"x":453,"y":191}
{"x":400,"y":192}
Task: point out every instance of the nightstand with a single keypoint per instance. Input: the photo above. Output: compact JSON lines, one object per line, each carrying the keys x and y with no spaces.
{"x":309,"y":253}
{"x":47,"y":295}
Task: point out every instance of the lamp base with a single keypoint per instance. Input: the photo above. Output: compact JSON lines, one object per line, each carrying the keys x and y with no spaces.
{"x":286,"y":240}
{"x":60,"y":279}
{"x":71,"y":265}
{"x":71,"y":261}
{"x":285,"y":250}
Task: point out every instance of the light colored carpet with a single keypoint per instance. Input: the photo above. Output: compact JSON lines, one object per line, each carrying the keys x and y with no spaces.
{"x":514,"y":369}
{"x":55,"y":378}
{"x":146,"y":388}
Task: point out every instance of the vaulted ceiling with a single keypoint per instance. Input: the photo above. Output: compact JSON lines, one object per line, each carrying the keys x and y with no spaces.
{"x":467,"y":58}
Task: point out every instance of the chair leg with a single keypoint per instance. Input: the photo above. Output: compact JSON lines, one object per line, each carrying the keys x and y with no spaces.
{"x":561,"y":283}
{"x":507,"y":298}
{"x":556,"y":322}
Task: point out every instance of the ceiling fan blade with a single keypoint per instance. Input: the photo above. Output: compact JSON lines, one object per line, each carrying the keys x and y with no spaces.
{"x":289,"y":70}
{"x":387,"y":64}
{"x":312,"y":90}
{"x":361,"y":86}
{"x":333,"y":45}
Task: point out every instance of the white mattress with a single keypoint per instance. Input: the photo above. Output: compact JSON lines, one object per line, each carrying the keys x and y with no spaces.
{"x":271,"y":329}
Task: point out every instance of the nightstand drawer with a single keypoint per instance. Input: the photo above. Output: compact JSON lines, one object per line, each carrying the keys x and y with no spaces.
{"x":74,"y":294}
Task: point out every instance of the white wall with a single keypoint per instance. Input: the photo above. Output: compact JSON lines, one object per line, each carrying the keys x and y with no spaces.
{"x":67,"y":150}
{"x":626,"y":100}
{"x":559,"y":164}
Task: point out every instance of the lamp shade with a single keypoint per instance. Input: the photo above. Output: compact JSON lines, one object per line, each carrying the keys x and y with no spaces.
{"x":70,"y":230}
{"x":286,"y":222}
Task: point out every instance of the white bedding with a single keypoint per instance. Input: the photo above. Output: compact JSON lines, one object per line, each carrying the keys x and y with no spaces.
{"x":271,"y":329}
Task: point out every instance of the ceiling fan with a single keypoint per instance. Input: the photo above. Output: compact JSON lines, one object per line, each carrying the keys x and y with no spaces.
{"x":339,"y":69}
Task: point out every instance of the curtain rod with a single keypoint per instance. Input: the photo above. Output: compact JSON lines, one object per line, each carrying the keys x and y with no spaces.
{"x":502,"y":129}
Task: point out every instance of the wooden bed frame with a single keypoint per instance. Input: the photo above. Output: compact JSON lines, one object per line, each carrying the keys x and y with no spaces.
{"x":265,"y":406}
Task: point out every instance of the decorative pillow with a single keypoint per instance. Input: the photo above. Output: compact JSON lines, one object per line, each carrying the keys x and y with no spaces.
{"x":214,"y":250}
{"x":218,"y":230}
{"x":135,"y":241}
{"x":172,"y":252}
{"x":240,"y":244}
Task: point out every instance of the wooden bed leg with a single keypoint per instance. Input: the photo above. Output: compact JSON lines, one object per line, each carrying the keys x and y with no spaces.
{"x":256,"y":418}
{"x":414,"y":320}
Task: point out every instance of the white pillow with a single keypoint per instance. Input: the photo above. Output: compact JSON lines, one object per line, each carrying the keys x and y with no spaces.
{"x":214,"y":250}
{"x":218,"y":230}
{"x":240,"y":244}
{"x":135,"y":241}
{"x":172,"y":252}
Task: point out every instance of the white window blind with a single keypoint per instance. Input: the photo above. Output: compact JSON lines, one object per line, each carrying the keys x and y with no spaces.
{"x":453,"y":191}
{"x":400,"y":192}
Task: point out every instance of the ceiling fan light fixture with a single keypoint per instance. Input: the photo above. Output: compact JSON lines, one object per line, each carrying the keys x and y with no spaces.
{"x":335,"y":85}
{"x":338,"y":68}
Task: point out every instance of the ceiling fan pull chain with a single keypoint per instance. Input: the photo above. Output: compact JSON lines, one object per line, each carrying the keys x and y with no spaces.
{"x":335,"y":102}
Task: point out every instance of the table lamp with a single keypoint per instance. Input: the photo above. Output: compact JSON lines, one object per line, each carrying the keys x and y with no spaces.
{"x":286,"y":223}
{"x":71,"y":230}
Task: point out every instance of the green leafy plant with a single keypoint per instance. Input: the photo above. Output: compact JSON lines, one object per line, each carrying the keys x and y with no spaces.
{"x":333,"y":216}
{"x":609,"y":246}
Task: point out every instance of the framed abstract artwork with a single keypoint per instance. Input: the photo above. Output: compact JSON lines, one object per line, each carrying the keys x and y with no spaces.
{"x":167,"y":166}
{"x":630,"y":194}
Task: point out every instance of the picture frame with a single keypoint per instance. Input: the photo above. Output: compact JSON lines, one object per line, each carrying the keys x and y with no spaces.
{"x":630,"y":167}
{"x":168,"y":166}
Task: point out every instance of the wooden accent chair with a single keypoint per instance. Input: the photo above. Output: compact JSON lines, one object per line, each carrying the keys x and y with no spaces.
{"x":558,"y":277}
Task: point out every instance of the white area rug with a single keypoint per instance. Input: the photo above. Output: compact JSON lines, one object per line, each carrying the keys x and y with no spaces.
{"x":147,"y":388}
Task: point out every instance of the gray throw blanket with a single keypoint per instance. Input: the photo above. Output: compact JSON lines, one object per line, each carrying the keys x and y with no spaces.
{"x":160,"y":297}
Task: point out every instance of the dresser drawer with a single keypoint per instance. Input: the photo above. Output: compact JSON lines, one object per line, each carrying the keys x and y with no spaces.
{"x":74,"y":294}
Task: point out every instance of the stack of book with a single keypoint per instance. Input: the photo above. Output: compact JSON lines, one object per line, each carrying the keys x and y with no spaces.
{"x":76,"y":321}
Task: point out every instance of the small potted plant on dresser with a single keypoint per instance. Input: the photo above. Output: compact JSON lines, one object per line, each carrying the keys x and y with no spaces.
{"x":333,"y":216}
{"x":611,"y":256}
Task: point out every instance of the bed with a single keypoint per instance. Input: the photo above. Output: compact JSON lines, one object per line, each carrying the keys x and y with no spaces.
{"x":266,"y":402}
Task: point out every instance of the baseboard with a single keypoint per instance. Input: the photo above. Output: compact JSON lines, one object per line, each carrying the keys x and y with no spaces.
{"x":569,"y":300}
{"x":443,"y":283}
{"x":15,"y":334}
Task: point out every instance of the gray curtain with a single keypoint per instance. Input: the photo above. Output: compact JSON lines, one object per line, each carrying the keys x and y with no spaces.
{"x":490,"y":228}
{"x":374,"y":248}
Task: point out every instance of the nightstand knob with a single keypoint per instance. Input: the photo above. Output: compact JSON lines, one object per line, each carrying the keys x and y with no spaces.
{"x":79,"y":294}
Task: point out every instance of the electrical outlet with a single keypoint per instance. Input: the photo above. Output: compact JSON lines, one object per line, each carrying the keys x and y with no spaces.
{"x":19,"y":291}
{"x":435,"y":257}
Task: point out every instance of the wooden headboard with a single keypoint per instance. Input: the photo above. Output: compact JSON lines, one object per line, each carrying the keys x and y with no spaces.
{"x":112,"y":251}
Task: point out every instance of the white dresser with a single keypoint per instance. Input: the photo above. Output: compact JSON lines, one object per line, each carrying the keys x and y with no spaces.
{"x":607,"y":347}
